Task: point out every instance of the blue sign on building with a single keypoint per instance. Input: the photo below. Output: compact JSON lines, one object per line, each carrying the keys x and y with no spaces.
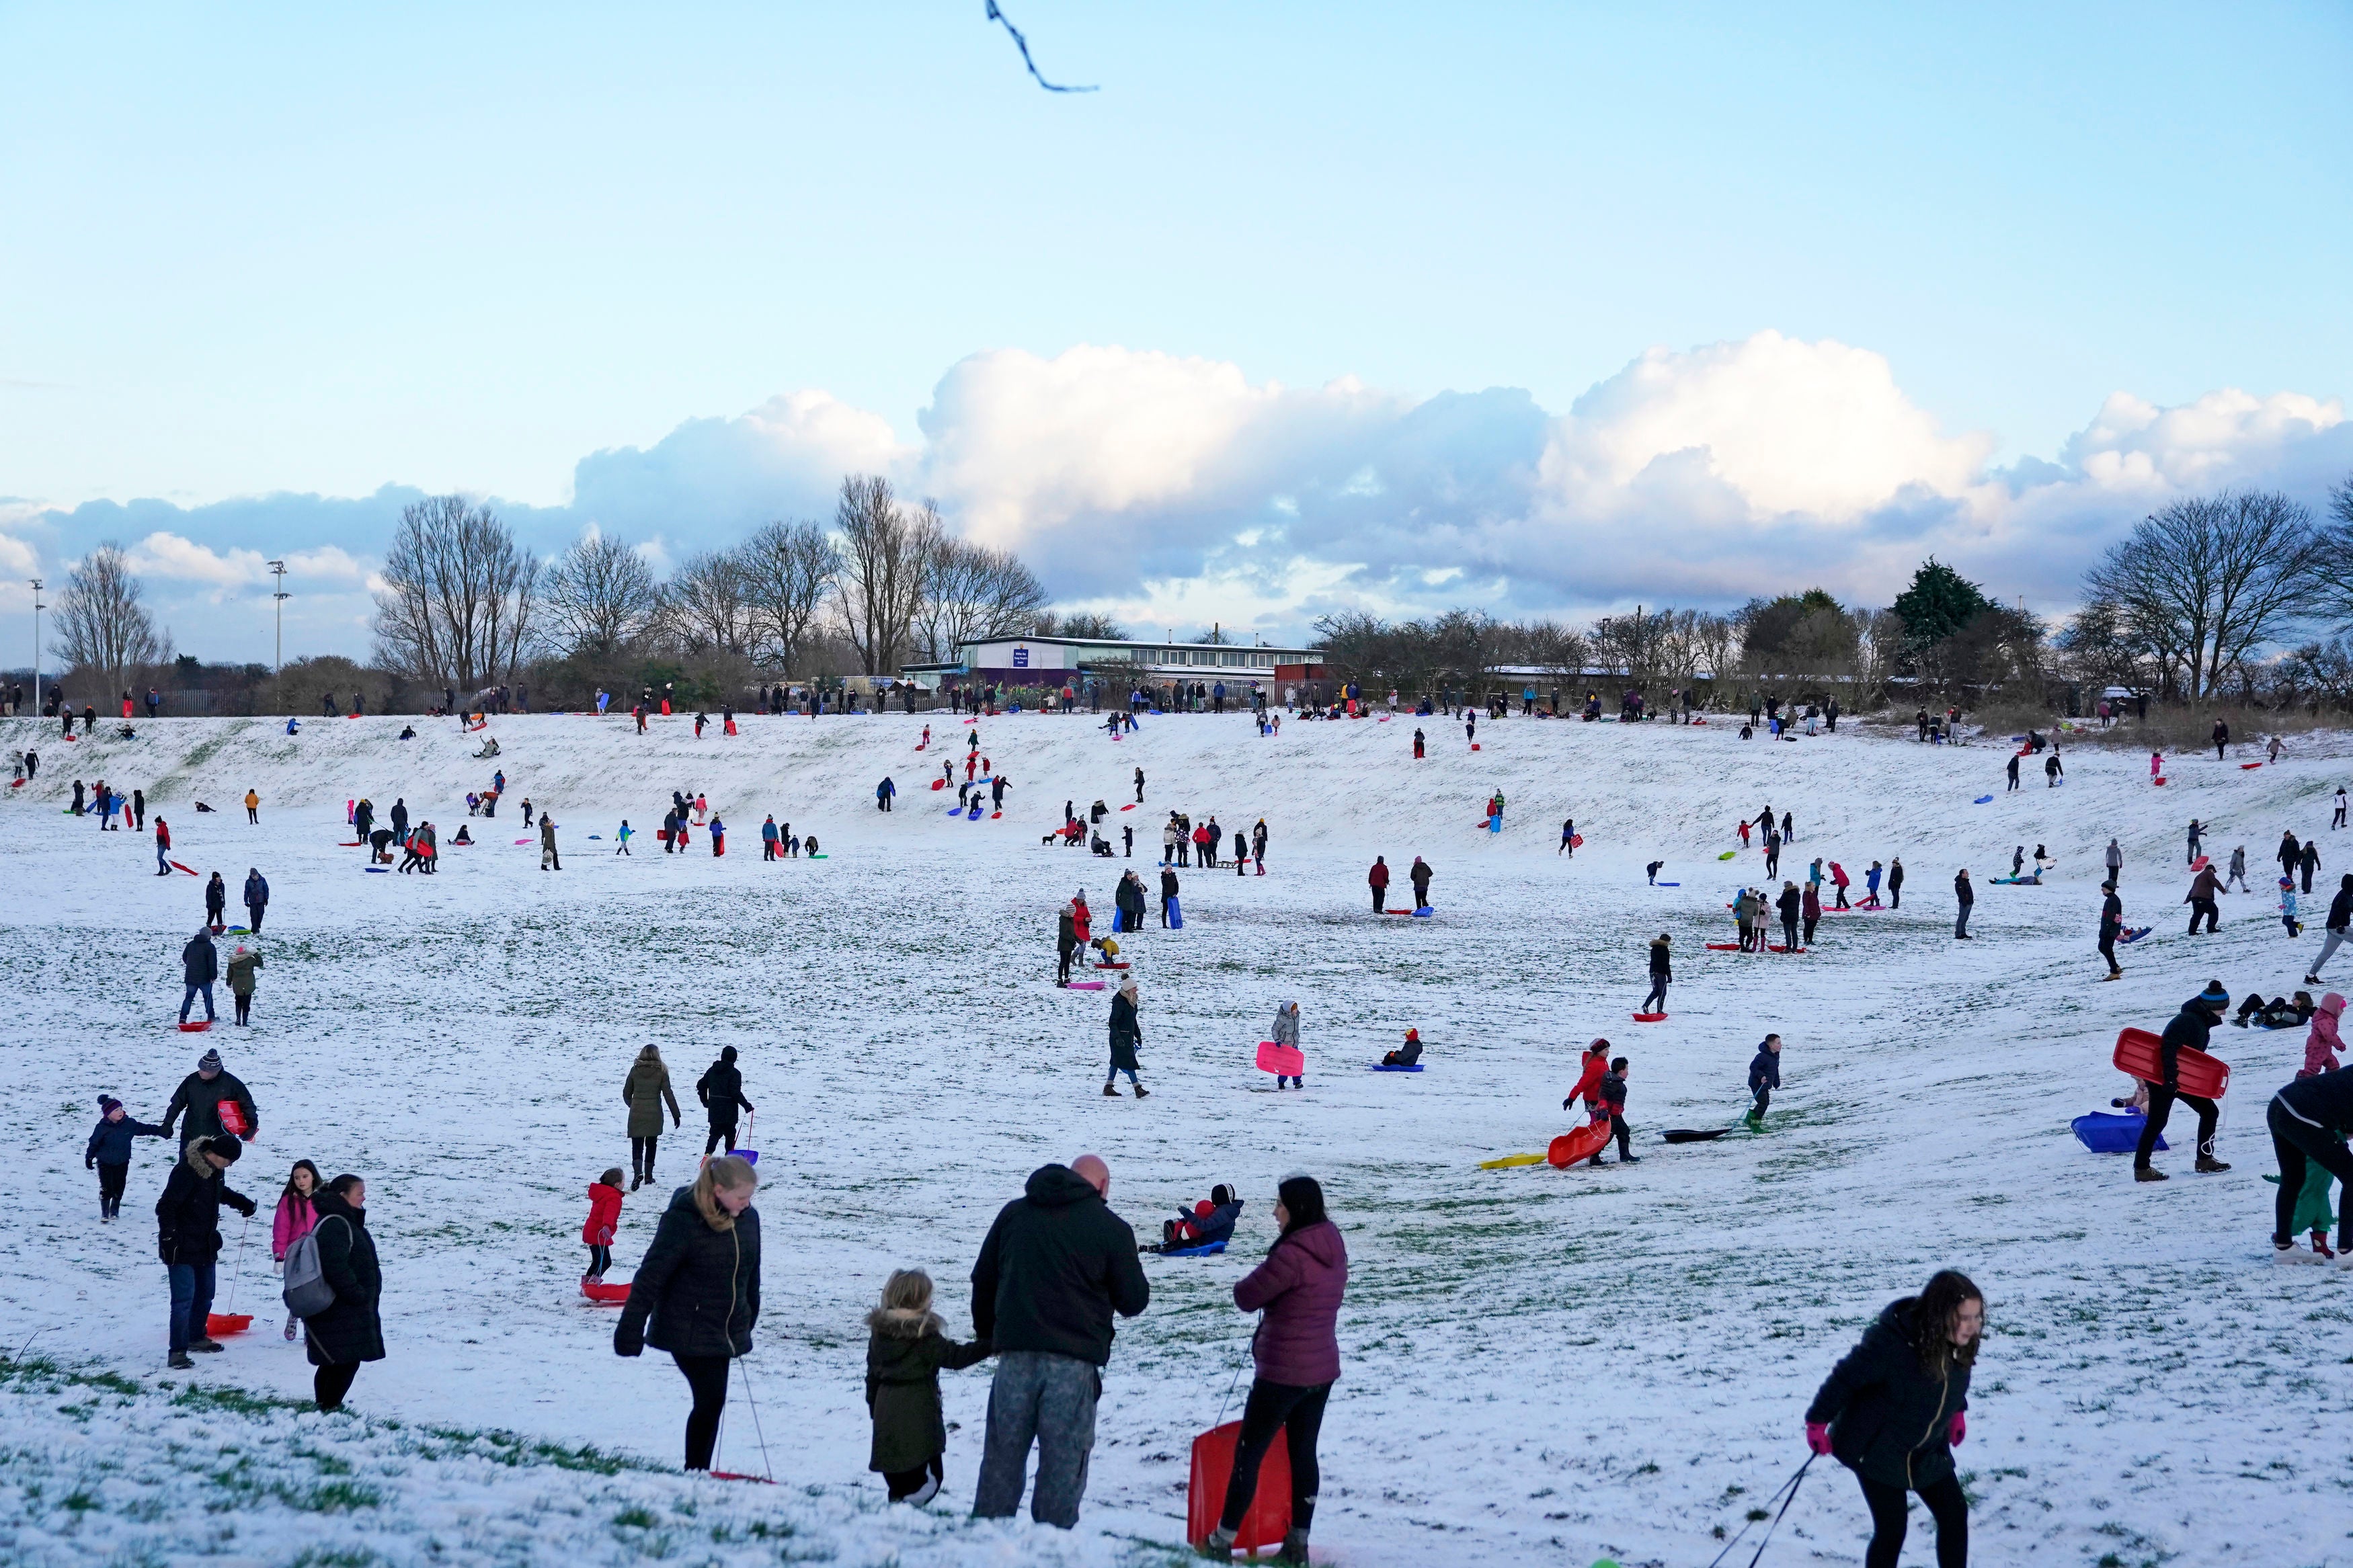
{"x":1020,"y":659}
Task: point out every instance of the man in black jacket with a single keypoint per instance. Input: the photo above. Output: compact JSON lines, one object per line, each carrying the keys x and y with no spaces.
{"x":2305,"y":1119}
{"x":2192,"y":1026}
{"x":2340,"y":924}
{"x":201,"y":1094}
{"x":720,"y":1090}
{"x":188,"y":1238}
{"x":1056,"y":1264}
{"x":1167,"y":894}
{"x":199,"y":967}
{"x":2112,"y":926}
{"x":1661,"y":972}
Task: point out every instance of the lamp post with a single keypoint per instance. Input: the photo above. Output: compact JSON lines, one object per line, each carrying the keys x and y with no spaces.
{"x":278,"y":568}
{"x":36,"y":646}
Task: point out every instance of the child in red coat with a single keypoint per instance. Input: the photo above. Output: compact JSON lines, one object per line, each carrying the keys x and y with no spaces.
{"x":604,"y":1221}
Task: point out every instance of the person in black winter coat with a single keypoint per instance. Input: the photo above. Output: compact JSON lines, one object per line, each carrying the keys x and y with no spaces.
{"x":216,"y":901}
{"x":109,"y":1153}
{"x":1893,"y":1410}
{"x":2192,"y":1026}
{"x":1789,"y":904}
{"x":1764,"y":1078}
{"x":257,"y":898}
{"x":350,"y":1330}
{"x":2303,"y":1119}
{"x":188,"y":1237}
{"x":720,"y":1090}
{"x":1167,"y":894}
{"x":1056,"y":1264}
{"x":1661,"y":972}
{"x":199,"y":967}
{"x":2339,"y":928}
{"x":697,"y":1293}
{"x":1127,"y":1038}
{"x":201,"y":1094}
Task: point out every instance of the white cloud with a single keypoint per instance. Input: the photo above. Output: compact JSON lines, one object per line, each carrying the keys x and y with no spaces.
{"x":174,"y":560}
{"x":1177,"y":491}
{"x":1818,"y":429}
{"x":2135,"y":446}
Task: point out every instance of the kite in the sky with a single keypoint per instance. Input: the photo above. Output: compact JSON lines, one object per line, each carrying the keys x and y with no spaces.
{"x":1023,"y":45}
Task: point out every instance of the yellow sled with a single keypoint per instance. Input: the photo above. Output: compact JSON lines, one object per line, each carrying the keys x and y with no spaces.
{"x":1509,"y":1161}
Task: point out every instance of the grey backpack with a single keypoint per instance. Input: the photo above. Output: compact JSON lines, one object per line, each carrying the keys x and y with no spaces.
{"x":308,"y":1294}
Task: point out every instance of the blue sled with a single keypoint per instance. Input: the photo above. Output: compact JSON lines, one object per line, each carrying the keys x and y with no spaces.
{"x":1207,"y":1249}
{"x":1424,"y":912}
{"x":1175,"y":915}
{"x":1393,"y":1066}
{"x":2105,"y":1134}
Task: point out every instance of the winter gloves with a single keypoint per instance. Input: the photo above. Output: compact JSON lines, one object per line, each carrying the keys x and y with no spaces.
{"x":1958,"y":1429}
{"x":627,"y":1341}
{"x":1818,"y":1437}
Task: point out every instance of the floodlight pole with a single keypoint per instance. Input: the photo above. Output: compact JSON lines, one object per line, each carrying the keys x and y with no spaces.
{"x":36,"y":645}
{"x":279,"y":569}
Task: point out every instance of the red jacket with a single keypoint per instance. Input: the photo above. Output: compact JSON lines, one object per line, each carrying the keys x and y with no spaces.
{"x":163,"y":835}
{"x":1080,"y":923}
{"x":1595,"y":1065}
{"x":1379,"y":875}
{"x":1300,"y":1287}
{"x":604,"y":1215}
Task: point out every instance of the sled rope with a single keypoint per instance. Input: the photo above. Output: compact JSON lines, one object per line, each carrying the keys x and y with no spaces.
{"x":1790,"y":1487}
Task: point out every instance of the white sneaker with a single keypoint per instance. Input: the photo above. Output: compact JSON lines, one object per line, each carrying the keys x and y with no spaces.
{"x":2295,"y":1253}
{"x":2344,"y":1259}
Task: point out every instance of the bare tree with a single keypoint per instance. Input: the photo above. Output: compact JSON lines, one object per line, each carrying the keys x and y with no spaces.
{"x":707,"y":605}
{"x":2207,"y":581}
{"x":459,"y":599}
{"x":972,"y":592}
{"x":884,"y":555}
{"x":600,"y":598}
{"x":790,"y":569}
{"x":1086,"y":623}
{"x":101,"y":626}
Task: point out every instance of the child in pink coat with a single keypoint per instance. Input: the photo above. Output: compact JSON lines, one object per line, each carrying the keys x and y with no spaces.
{"x":295,"y":1219}
{"x":2321,"y":1046}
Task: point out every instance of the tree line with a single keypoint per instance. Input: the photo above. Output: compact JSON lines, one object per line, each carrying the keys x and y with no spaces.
{"x":465,"y":607}
{"x":2244,"y":596}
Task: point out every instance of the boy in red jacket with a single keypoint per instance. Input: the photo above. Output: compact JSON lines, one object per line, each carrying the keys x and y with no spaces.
{"x":604,"y":1221}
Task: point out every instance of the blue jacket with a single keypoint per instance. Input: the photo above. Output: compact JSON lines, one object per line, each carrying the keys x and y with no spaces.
{"x":257,"y":889}
{"x":110,"y":1142}
{"x":1765,"y":1071}
{"x":1217,"y":1225}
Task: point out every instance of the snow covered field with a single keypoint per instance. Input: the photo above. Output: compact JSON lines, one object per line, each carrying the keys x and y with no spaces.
{"x":1541,"y":1366}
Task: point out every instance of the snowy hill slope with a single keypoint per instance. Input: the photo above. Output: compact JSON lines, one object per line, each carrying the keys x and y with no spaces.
{"x":1538,"y":1365}
{"x":95,"y":1467}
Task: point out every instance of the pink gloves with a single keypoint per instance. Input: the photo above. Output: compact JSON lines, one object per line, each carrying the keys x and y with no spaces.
{"x":1818,"y":1437}
{"x":1959,"y":1427}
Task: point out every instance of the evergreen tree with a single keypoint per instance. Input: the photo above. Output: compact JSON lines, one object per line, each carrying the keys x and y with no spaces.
{"x":1939,"y":603}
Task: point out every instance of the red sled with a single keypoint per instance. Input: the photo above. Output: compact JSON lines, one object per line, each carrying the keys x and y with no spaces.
{"x":196,"y":1028}
{"x":232,"y":1119}
{"x":1286,"y":1061}
{"x":1269,"y":1519}
{"x":1131,"y":807}
{"x":1582,"y":1145}
{"x":604,"y":1295}
{"x":2198,"y":864}
{"x":939,"y":784}
{"x":1650,"y":1018}
{"x":2208,"y":1077}
{"x":1474,"y":746}
{"x":2244,"y":767}
{"x":1723,"y":947}
{"x":219,"y":1323}
{"x":189,"y":870}
{"x":354,"y":844}
{"x":2157,"y":781}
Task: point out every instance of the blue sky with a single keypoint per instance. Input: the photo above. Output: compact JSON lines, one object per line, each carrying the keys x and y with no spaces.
{"x":286,"y":252}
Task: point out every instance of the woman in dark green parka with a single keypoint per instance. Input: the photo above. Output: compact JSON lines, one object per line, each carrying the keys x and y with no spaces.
{"x":1893,"y":1412}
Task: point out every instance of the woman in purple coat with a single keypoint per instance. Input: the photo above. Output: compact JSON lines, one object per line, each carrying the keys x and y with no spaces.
{"x":1297,"y":1349}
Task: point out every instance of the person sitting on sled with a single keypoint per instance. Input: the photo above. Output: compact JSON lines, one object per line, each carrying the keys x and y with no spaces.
{"x":1209,"y":1221}
{"x":1406,"y":1054}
